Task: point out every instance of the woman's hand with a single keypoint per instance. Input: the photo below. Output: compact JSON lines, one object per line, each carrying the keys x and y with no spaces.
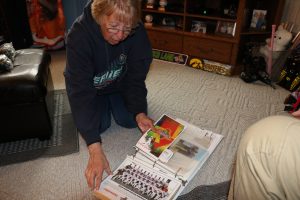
{"x":96,"y":165}
{"x":296,"y":113}
{"x":144,"y":122}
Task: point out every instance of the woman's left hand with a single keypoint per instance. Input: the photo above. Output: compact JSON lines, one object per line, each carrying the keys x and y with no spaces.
{"x":296,"y":113}
{"x":144,"y":122}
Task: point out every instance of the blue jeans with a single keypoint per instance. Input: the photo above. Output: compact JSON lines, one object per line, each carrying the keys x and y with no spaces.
{"x":113,"y":105}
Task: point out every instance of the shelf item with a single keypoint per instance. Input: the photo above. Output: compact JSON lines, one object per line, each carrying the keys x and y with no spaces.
{"x":198,"y":26}
{"x":150,"y":4}
{"x":226,"y":28}
{"x":258,"y":20}
{"x":148,"y":20}
{"x":162,"y":5}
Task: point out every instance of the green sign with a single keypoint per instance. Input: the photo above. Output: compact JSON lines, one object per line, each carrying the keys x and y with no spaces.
{"x":170,"y":56}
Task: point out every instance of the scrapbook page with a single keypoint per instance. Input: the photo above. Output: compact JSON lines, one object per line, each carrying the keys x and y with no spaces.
{"x":166,"y":159}
{"x":187,"y":153}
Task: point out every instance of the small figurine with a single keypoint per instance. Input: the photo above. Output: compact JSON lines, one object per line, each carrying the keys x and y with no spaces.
{"x":148,"y":20}
{"x":150,"y":4}
{"x":162,"y":5}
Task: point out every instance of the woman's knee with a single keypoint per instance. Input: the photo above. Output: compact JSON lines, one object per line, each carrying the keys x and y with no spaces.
{"x":268,"y":131}
{"x":126,"y":122}
{"x":104,"y":127}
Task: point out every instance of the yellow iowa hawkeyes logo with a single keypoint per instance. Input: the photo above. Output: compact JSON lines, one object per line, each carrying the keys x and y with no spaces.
{"x":196,"y":63}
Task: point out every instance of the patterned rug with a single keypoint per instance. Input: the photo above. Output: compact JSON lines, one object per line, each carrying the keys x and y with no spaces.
{"x":63,"y":141}
{"x":208,"y":192}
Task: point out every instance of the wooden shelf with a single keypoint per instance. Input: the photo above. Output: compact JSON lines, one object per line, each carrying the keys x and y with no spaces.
{"x":212,"y":45}
{"x":255,"y":33}
{"x":166,"y":29}
{"x":225,"y":38}
{"x":211,"y":17}
{"x":213,"y":36}
{"x":162,"y":12}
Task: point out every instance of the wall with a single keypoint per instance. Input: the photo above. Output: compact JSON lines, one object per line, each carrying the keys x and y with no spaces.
{"x":291,"y":14}
{"x":72,"y":9}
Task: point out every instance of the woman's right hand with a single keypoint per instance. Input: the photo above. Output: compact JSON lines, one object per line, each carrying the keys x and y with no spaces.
{"x":97,"y":164}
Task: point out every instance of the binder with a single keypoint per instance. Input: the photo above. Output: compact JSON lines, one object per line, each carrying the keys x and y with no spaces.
{"x":165,"y":161}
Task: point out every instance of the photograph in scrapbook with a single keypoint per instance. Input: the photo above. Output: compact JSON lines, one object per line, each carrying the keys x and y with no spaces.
{"x":134,"y":180}
{"x":154,"y":142}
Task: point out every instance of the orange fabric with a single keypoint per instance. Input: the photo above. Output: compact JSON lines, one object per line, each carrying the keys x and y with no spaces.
{"x":46,"y":30}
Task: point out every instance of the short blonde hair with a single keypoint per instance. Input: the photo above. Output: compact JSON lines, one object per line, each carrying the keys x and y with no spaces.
{"x":127,"y":11}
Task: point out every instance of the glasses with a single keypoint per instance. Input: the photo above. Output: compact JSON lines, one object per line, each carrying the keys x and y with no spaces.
{"x":117,"y":30}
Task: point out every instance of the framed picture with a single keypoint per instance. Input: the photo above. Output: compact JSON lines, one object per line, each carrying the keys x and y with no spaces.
{"x":226,"y":28}
{"x":258,"y":20}
{"x":198,"y":26}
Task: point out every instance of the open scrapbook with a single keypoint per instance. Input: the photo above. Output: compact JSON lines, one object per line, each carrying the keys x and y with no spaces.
{"x":166,"y":159}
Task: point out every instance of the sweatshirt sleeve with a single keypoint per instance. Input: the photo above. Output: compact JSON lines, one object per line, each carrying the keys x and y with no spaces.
{"x":79,"y":84}
{"x":139,"y":60}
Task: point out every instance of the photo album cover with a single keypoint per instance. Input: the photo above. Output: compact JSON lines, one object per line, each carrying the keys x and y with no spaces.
{"x":166,"y":159}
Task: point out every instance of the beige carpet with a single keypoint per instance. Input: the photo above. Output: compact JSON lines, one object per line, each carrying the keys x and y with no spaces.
{"x":222,"y":104}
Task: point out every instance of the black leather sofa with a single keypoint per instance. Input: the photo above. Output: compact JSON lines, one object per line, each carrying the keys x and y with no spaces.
{"x":25,"y":104}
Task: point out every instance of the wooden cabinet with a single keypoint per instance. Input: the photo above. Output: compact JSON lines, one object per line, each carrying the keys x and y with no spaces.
{"x":168,"y":42}
{"x":208,"y":29}
{"x":207,"y":48}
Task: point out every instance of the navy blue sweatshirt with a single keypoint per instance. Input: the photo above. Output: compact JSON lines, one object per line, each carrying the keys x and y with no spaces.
{"x":94,"y":67}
